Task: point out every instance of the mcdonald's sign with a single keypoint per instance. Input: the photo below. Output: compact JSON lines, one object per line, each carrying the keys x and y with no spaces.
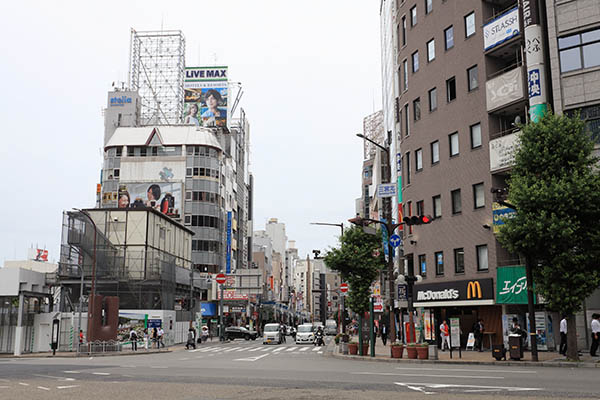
{"x":474,"y":290}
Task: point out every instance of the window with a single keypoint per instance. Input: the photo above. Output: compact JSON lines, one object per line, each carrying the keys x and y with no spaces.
{"x":187,"y":220}
{"x":475,"y":135}
{"x":119,"y":151}
{"x":439,"y":263}
{"x":405,"y":70}
{"x":406,"y":122}
{"x":432,"y":99}
{"x":188,"y":172}
{"x":415,"y":61}
{"x":143,"y":151}
{"x":478,"y":196}
{"x":472,"y":78}
{"x":437,"y":206}
{"x":482,"y":257}
{"x":419,"y":159}
{"x":435,"y":152}
{"x":420,"y":207}
{"x":470,"y":25}
{"x":591,"y":116}
{"x":449,"y":37}
{"x":404,"y":30}
{"x":154,"y":151}
{"x":130,"y":151}
{"x":578,"y":51}
{"x":422,"y":265}
{"x":407,"y":156}
{"x":188,"y":194}
{"x":451,"y":89}
{"x":456,"y":202}
{"x":413,"y":16}
{"x":116,"y":172}
{"x":417,"y":108}
{"x":431,"y":50}
{"x":453,"y":140}
{"x":459,"y":261}
{"x":428,"y":6}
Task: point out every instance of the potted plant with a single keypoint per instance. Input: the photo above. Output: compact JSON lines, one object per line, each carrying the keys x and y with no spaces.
{"x":353,"y":348}
{"x":397,"y":349}
{"x":423,"y":351}
{"x":411,"y":350}
{"x":337,"y":338}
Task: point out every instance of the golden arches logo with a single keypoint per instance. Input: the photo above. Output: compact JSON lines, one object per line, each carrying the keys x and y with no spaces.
{"x":474,"y":290}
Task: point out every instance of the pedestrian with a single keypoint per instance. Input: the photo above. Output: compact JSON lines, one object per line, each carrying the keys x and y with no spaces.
{"x":191,"y":339}
{"x":445,"y":334}
{"x":478,"y":330}
{"x":154,"y":336}
{"x":160,"y":335}
{"x":595,"y":334}
{"x":133,"y":337}
{"x":81,"y":337}
{"x":384,"y":333}
{"x":563,"y":336}
{"x":375,"y":332}
{"x":282,"y":333}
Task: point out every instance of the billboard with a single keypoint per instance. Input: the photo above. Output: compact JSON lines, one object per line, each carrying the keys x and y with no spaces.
{"x":206,"y":95}
{"x":501,"y":29}
{"x":504,"y":89}
{"x":502,"y":151}
{"x":162,"y":196}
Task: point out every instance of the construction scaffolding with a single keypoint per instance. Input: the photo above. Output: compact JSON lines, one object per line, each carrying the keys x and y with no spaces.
{"x":156,"y":71}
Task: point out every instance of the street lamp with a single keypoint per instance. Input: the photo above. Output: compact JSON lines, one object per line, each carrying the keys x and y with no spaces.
{"x":341,"y":225}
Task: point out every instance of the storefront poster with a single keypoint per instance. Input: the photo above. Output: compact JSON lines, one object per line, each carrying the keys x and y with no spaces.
{"x":455,"y":332}
{"x":427,"y":324}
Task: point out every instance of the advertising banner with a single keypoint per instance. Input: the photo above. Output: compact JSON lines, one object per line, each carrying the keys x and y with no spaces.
{"x":501,"y":29}
{"x":206,"y":95}
{"x":208,"y":309}
{"x":504,"y":89}
{"x":149,"y":171}
{"x":228,"y":254}
{"x":500,"y":214}
{"x":502,"y":151}
{"x":162,"y":196}
{"x":455,"y":332}
{"x":511,"y":285}
{"x":467,"y":290}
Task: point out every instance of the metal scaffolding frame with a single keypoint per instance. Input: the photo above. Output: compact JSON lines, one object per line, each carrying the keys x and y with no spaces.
{"x":157,"y":71}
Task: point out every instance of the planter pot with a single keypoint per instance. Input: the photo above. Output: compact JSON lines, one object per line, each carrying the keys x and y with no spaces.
{"x":365,"y":349}
{"x":411,"y":352}
{"x":397,"y":351}
{"x":423,"y":353}
{"x":353,"y":348}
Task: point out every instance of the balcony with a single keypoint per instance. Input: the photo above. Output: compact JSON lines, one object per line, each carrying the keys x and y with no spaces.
{"x":505,"y":89}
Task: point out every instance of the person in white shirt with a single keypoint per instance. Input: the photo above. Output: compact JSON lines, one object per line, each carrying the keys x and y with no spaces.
{"x":563,"y":336}
{"x":595,"y":334}
{"x":445,"y":334}
{"x":161,"y":333}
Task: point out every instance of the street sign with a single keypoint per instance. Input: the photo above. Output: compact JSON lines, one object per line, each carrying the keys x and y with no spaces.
{"x":221,"y":278}
{"x":344,"y":287}
{"x":386,"y":190}
{"x":395,"y":241}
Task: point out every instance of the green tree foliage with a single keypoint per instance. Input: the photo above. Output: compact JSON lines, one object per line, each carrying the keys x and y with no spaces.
{"x":555,"y":187}
{"x":355,"y":262}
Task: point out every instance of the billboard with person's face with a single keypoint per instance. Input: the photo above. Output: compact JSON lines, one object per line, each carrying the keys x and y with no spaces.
{"x":205,"y":102}
{"x":162,"y":196}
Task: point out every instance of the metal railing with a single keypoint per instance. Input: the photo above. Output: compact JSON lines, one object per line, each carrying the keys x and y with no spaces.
{"x":99,"y":347}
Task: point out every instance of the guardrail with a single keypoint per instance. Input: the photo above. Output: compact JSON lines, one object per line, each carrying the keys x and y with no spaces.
{"x":99,"y":347}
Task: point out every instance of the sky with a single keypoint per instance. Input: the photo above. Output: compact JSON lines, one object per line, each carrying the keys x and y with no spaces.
{"x":310,"y":72}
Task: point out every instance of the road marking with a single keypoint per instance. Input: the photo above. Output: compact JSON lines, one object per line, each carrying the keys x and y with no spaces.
{"x":315,"y":349}
{"x":277,"y":349}
{"x":43,"y":388}
{"x":23,"y":384}
{"x":232,"y":349}
{"x":470,"y":387}
{"x":62,"y":378}
{"x":242,"y":349}
{"x":431,"y":375}
{"x":159,"y":367}
{"x":255,"y":349}
{"x":102,"y":373}
{"x":320,"y":352}
{"x":4,"y":387}
{"x":251,"y":358}
{"x":266,"y":349}
{"x":304,"y":349}
{"x":183,"y":359}
{"x":416,"y":388}
{"x":467,"y":370}
{"x":128,"y":366}
{"x":291,"y":349}
{"x":72,"y":372}
{"x":67,"y":387}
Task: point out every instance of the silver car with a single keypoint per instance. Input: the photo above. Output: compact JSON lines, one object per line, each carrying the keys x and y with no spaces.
{"x":305,"y":334}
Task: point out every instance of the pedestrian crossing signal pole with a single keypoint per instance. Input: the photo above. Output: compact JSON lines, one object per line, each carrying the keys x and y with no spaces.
{"x":221,"y":278}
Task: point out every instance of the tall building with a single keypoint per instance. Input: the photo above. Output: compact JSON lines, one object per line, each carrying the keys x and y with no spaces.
{"x":458,"y":79}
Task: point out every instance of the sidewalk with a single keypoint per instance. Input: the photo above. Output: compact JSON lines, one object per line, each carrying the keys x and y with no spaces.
{"x":546,"y":358}
{"x":73,"y":354}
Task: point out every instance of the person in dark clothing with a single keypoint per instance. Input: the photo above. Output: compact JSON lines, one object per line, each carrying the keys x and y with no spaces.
{"x":384,"y":333}
{"x":478,"y":330}
{"x":191,"y":339}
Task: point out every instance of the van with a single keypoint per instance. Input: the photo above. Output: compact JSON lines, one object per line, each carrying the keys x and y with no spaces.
{"x":271,"y":334}
{"x":330,"y":327}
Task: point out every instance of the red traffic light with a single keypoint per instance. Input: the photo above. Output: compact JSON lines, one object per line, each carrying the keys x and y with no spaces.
{"x":418,"y":220}
{"x":425,"y":219}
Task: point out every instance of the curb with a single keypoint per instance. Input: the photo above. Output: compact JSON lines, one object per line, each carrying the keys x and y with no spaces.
{"x":561,"y":364}
{"x":74,"y":355}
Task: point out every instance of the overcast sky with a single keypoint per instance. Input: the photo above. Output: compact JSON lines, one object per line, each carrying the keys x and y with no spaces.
{"x":310,"y":72}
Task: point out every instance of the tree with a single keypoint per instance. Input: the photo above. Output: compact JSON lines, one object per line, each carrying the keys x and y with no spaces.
{"x":355,"y":262}
{"x":555,"y":188}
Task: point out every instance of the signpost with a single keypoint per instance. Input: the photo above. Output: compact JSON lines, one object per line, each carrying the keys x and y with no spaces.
{"x":395,"y":240}
{"x":221,"y":279}
{"x":344,"y":289}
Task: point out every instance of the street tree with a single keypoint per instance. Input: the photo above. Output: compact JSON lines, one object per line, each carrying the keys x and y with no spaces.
{"x":357,"y":266}
{"x":555,"y":188}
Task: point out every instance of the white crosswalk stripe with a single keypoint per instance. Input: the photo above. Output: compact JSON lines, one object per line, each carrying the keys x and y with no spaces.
{"x":291,"y":349}
{"x":255,"y":349}
{"x":266,"y":349}
{"x":304,"y":349}
{"x":277,"y":349}
{"x":232,"y":349}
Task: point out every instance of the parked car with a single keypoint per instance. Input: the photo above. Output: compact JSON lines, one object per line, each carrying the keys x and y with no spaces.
{"x":272,"y":334}
{"x":305,"y":334}
{"x":238,"y":332}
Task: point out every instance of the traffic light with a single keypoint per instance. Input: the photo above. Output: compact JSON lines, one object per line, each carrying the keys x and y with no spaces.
{"x":417,"y":220}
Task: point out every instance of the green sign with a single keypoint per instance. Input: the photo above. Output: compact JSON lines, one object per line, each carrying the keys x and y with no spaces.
{"x":511,"y":285}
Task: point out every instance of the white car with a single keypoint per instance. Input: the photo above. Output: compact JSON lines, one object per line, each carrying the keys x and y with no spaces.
{"x":305,"y":334}
{"x":271,"y":334}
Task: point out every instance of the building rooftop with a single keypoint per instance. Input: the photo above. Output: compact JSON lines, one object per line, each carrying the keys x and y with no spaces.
{"x":169,"y":135}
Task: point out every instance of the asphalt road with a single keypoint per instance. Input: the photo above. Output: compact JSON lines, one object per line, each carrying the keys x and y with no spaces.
{"x":250,"y":370}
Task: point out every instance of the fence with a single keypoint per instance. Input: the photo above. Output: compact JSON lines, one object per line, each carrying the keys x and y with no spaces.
{"x":99,"y":347}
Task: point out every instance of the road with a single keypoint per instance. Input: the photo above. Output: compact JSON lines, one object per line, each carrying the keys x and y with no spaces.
{"x":250,"y":370}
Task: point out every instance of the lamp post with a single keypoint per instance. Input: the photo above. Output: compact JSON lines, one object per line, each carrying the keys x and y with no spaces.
{"x":387,"y":215}
{"x":93,"y":290}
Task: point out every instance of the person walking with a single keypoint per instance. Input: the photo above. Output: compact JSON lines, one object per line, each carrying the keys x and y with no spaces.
{"x":161,"y":334}
{"x":146,"y":339}
{"x":445,"y":334}
{"x":282,"y":333}
{"x":133,"y":338}
{"x":563,"y":336}
{"x":191,"y":339}
{"x":595,"y":334}
{"x":478,"y":330}
{"x":384,"y":333}
{"x":154,"y":336}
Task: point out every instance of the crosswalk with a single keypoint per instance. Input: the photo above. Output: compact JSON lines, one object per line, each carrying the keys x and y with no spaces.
{"x":273,"y":350}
